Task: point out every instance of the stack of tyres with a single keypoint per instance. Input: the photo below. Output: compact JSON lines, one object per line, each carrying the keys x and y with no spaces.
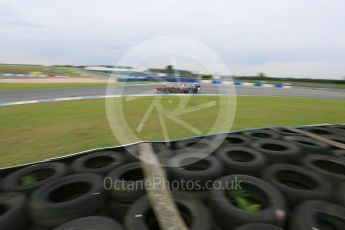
{"x":193,"y":212}
{"x":125,"y":185}
{"x":66,"y":199}
{"x":272,"y":178}
{"x":194,"y":173}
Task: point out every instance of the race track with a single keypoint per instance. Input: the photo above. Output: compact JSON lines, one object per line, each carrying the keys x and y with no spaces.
{"x":24,"y":95}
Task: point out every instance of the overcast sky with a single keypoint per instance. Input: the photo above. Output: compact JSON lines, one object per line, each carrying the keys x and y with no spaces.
{"x":294,"y":38}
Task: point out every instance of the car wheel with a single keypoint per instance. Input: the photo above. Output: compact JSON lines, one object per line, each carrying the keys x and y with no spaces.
{"x":31,"y":177}
{"x":268,"y":202}
{"x":241,"y":160}
{"x":12,"y":211}
{"x":91,"y":222}
{"x":67,"y":198}
{"x":308,"y":145}
{"x":318,"y":215}
{"x":127,"y":183}
{"x":297,"y":183}
{"x":259,"y":134}
{"x":332,"y":168}
{"x":277,"y":150}
{"x":193,"y":212}
{"x":98,"y":162}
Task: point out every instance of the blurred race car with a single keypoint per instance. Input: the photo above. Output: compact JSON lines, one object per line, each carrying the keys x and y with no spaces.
{"x":183,"y":88}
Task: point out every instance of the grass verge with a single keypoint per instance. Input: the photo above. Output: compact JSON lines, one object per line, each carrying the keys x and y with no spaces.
{"x":36,"y":132}
{"x":302,"y":84}
{"x":27,"y":69}
{"x":30,"y":86}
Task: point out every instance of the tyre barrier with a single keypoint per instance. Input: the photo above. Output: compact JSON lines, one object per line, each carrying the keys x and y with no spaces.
{"x":257,"y":226}
{"x":339,"y":129}
{"x":284,"y":131}
{"x":333,"y":168}
{"x":320,"y":130}
{"x":99,"y":162}
{"x":194,"y":213}
{"x":236,"y":140}
{"x":278,"y":151}
{"x":322,"y":214}
{"x":261,"y":134}
{"x":278,"y":179}
{"x":308,"y":145}
{"x":297,"y":183}
{"x":241,"y":160}
{"x":339,"y":153}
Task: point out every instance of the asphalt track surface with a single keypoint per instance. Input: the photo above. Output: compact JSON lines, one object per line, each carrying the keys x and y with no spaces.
{"x":38,"y":94}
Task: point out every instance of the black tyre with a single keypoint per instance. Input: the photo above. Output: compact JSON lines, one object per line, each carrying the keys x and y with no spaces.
{"x":193,"y":212}
{"x":91,"y":223}
{"x":66,"y":199}
{"x":339,"y":129}
{"x":161,"y":149}
{"x":195,"y":143}
{"x":308,"y":145}
{"x":319,"y":130}
{"x":341,"y":194}
{"x":236,"y":140}
{"x":333,"y":168}
{"x":277,"y":150}
{"x":31,"y":177}
{"x":200,"y":144}
{"x":38,"y":228}
{"x":297,"y":183}
{"x":12,"y":211}
{"x":127,"y":183}
{"x":241,"y":160}
{"x":337,"y":138}
{"x":118,"y":210}
{"x":270,"y":201}
{"x":259,"y":134}
{"x":202,"y":195}
{"x":257,"y":226}
{"x":193,"y":167}
{"x":285,"y":132}
{"x":318,"y":215}
{"x":98,"y":162}
{"x":339,"y":153}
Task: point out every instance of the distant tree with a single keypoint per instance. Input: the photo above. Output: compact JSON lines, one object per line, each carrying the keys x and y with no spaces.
{"x":262,"y":75}
{"x":170,"y":69}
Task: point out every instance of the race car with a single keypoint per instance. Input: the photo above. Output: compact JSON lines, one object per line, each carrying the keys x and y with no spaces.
{"x":182,"y":88}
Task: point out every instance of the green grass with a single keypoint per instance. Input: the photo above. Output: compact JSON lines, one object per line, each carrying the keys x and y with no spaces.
{"x":296,"y":83}
{"x":26,"y":69}
{"x":241,"y":199}
{"x":21,"y":69}
{"x":36,"y":132}
{"x":29,"y":86}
